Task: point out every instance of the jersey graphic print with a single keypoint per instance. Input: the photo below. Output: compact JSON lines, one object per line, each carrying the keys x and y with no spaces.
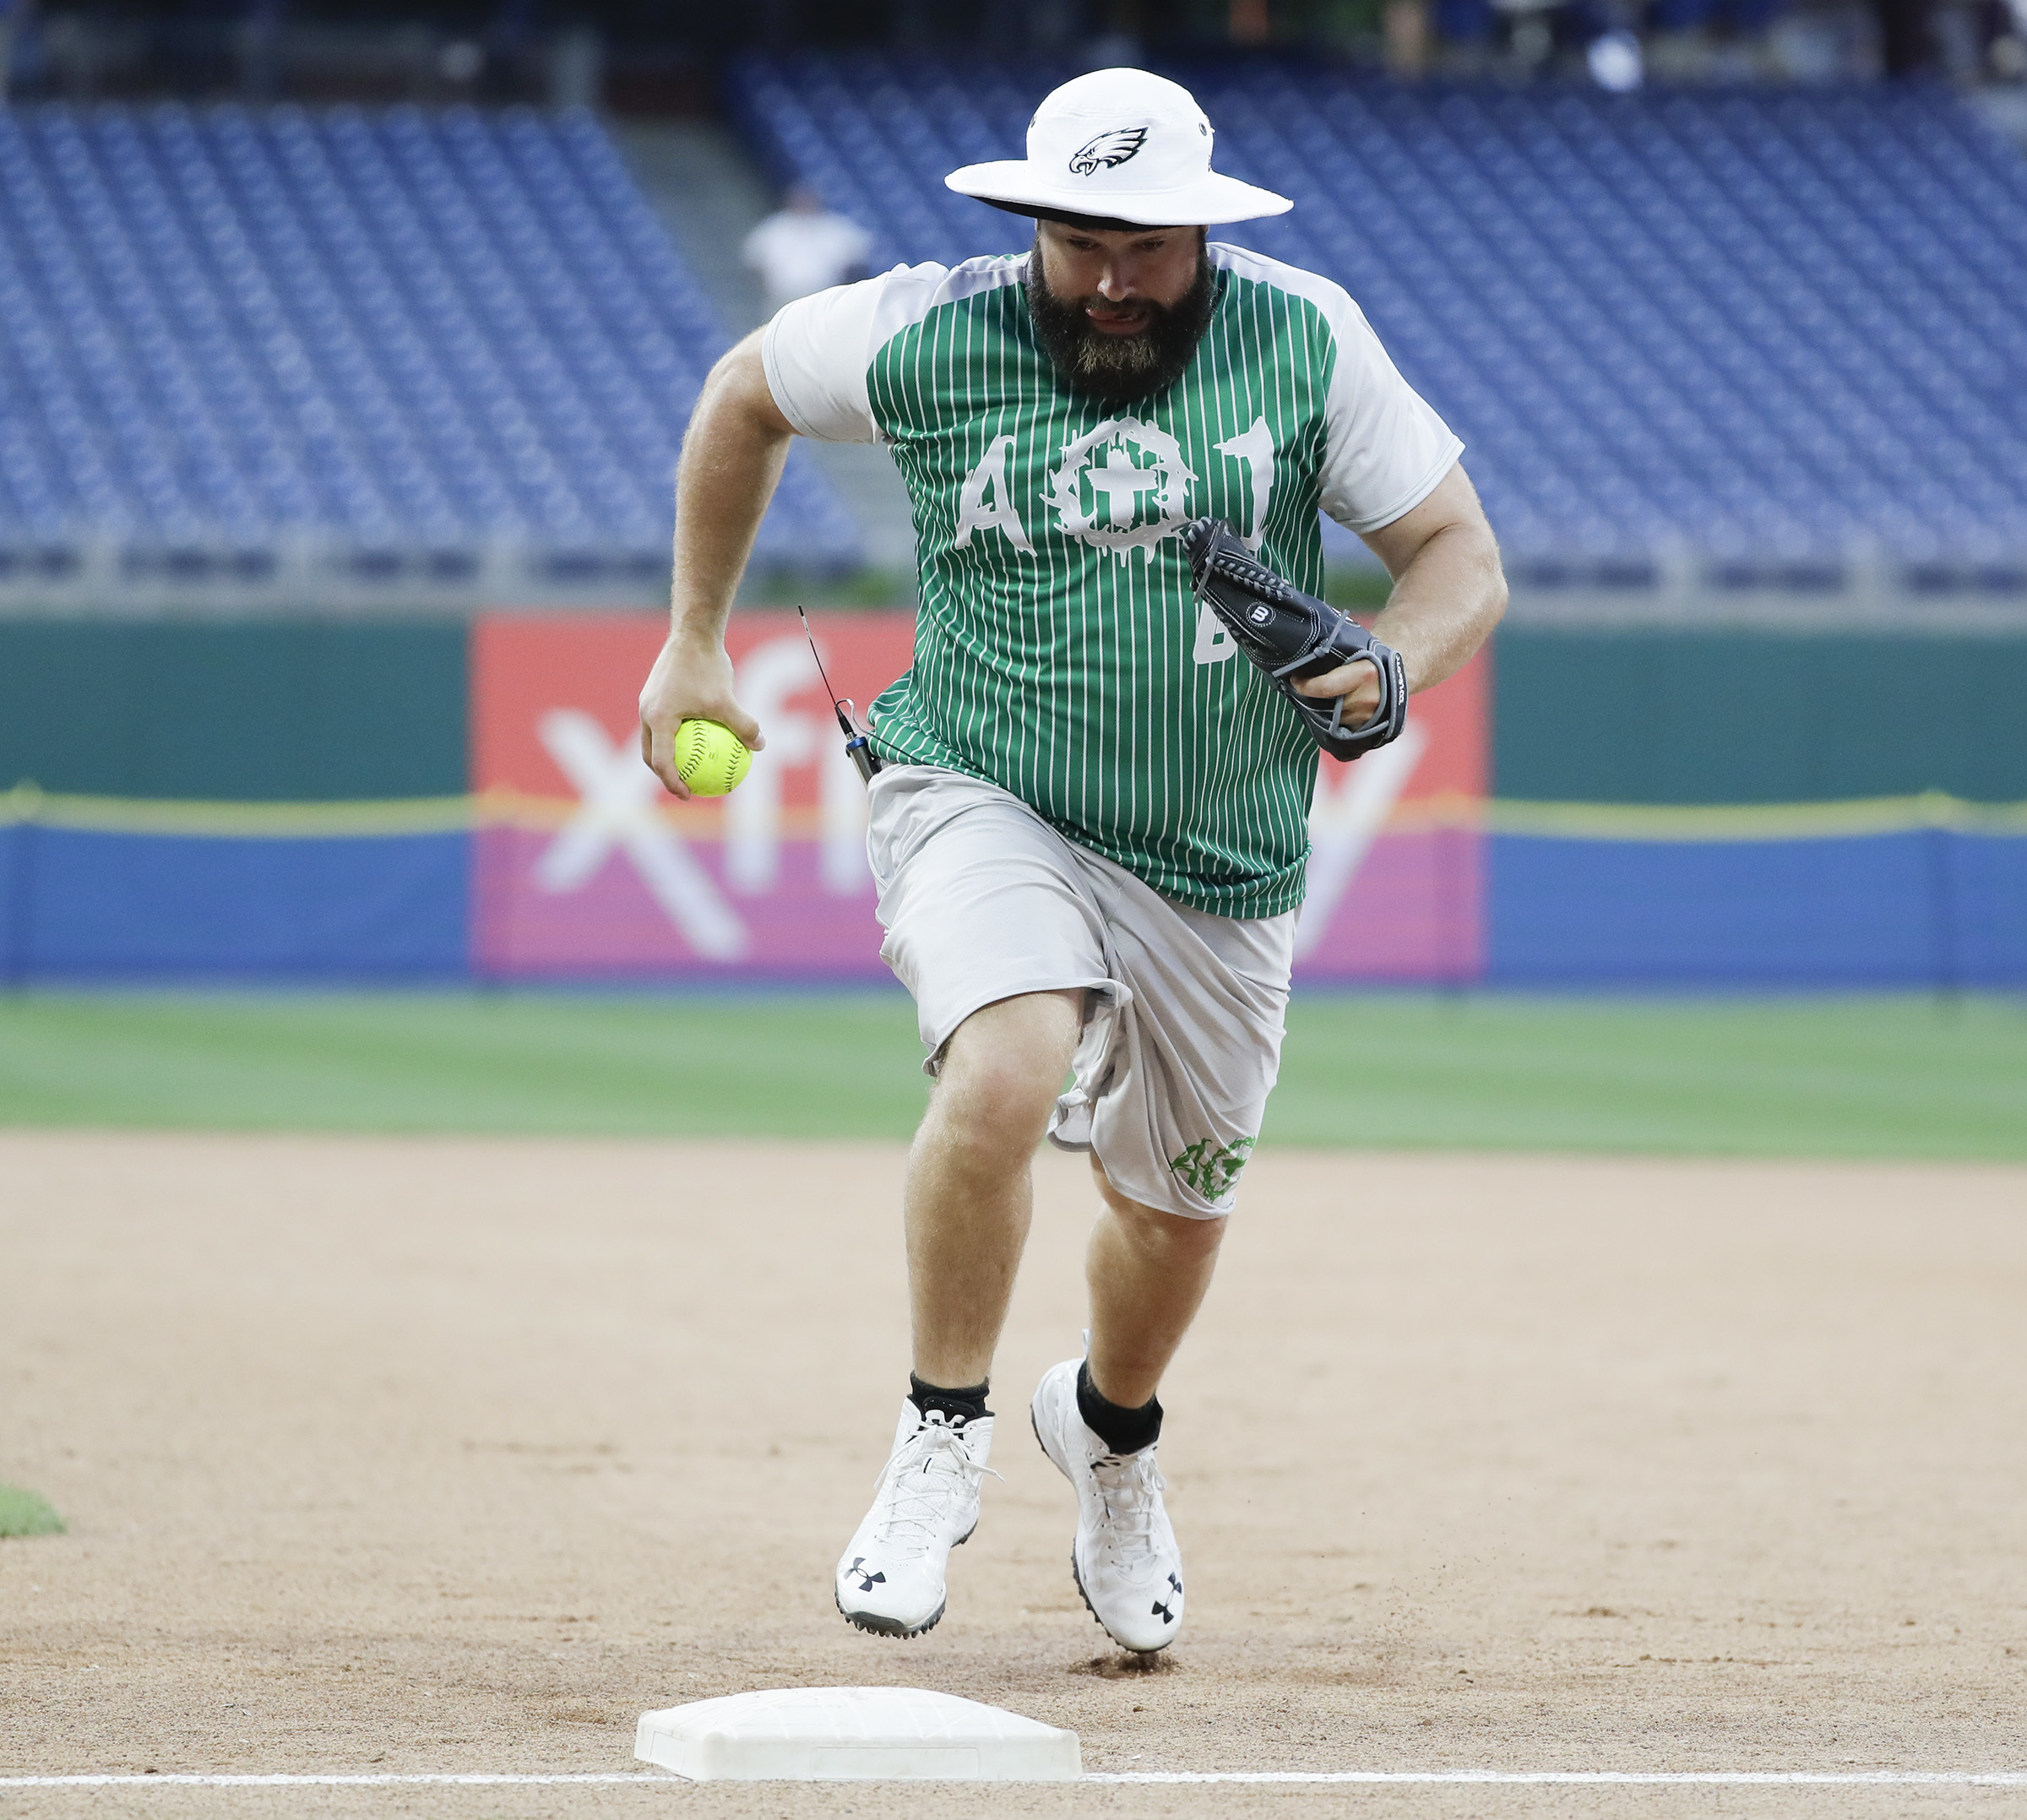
{"x":1060,"y":649}
{"x":1122,"y":486}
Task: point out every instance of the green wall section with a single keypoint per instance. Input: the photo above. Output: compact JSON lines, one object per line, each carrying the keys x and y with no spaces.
{"x":319,"y":711}
{"x":336,"y":711}
{"x":1714,"y":717}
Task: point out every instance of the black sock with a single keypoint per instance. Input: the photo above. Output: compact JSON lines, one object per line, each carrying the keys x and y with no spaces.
{"x":1122,"y":1431}
{"x":960,"y":1406}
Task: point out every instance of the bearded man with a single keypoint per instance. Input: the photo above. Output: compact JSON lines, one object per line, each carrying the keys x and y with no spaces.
{"x":1089,"y":832}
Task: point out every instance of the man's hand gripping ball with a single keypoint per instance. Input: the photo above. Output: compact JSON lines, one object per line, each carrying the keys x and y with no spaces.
{"x":688,"y":702}
{"x":1290,"y":636}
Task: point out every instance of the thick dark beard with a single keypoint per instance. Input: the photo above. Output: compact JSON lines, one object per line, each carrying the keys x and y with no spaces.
{"x":1117,"y":369}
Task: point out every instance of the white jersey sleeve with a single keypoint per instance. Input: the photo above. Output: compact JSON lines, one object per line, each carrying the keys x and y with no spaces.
{"x":1386,"y":449}
{"x":816,"y":350}
{"x":819,"y":349}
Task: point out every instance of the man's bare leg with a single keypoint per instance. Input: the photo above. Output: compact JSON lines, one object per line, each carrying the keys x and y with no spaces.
{"x":1148,"y":1271}
{"x":1099,"y":1422}
{"x":969,"y":1193}
{"x":967,"y":1202}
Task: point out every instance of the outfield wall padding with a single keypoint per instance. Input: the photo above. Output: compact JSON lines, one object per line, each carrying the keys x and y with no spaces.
{"x":354,"y":803}
{"x":1692,"y":716}
{"x":316,"y":711}
{"x":84,"y":905}
{"x":1923,"y":907}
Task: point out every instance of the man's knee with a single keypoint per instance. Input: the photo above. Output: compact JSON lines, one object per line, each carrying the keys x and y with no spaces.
{"x":1178,"y":1237}
{"x":1002,"y":1069}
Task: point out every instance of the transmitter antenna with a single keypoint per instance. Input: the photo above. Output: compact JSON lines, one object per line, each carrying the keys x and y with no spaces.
{"x":857,"y":746}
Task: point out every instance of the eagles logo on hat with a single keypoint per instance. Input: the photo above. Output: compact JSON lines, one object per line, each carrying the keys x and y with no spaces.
{"x":1122,"y":146}
{"x":1113,"y":148}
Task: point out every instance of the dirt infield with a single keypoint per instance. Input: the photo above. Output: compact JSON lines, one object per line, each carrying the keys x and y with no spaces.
{"x":417,"y":1455}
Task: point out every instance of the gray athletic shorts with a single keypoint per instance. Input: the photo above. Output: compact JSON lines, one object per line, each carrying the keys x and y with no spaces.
{"x":982,"y":900}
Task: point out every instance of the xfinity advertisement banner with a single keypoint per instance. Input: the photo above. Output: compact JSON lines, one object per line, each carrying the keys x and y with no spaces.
{"x":585,"y":867}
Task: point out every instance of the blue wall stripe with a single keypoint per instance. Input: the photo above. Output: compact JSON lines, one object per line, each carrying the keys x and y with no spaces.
{"x":1927,"y":907}
{"x":1908,"y":908}
{"x":95,"y":906}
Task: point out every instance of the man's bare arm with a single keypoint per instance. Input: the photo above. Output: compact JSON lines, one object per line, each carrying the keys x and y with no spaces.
{"x":731,"y":460}
{"x":1448,"y":594}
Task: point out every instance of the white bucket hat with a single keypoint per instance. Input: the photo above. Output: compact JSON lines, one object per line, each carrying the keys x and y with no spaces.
{"x":1118,"y":144}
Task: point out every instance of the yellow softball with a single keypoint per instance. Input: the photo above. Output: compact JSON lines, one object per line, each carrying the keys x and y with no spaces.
{"x":710,"y":758}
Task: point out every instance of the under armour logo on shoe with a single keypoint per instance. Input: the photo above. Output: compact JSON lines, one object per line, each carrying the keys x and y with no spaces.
{"x":868,"y":1581}
{"x":1177,"y":1583}
{"x":1162,"y":1611}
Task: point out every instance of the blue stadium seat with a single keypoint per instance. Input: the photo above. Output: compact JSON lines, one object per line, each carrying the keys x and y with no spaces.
{"x":410,"y":336}
{"x":1775,"y":326}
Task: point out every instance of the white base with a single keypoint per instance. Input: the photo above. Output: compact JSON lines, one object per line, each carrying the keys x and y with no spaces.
{"x":854,"y":1734}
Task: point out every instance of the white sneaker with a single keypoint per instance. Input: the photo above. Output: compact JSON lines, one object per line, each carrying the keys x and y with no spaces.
{"x":1125,"y":1558}
{"x":890,"y":1578}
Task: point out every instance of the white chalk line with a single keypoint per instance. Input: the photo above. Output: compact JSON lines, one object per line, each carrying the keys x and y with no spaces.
{"x":1593,"y":1778}
{"x":1578,"y":1777}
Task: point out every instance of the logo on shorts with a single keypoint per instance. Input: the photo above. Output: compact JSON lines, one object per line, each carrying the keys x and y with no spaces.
{"x":1212,"y":1168}
{"x":1108,"y":148}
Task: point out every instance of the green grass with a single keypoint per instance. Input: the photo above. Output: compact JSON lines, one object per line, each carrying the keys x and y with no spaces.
{"x":765,"y":1066}
{"x":26,"y":1513}
{"x":1874,"y":1077}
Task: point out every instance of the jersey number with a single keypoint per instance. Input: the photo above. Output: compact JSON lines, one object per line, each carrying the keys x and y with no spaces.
{"x":1256,"y":449}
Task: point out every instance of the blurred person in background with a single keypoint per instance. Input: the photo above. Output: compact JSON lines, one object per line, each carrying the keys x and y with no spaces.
{"x":804,"y":247}
{"x":2005,"y":39}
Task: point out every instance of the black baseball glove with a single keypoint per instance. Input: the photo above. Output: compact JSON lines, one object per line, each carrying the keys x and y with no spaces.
{"x":1290,"y":635}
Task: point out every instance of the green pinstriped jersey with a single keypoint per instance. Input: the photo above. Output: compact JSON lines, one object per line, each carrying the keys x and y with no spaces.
{"x":1060,"y":651}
